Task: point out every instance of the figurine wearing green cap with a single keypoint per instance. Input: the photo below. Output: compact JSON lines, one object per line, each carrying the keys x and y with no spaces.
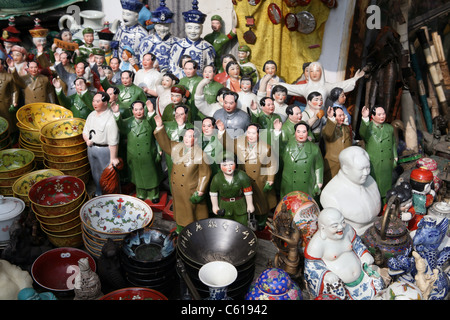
{"x":248,"y":68}
{"x":218,"y":39}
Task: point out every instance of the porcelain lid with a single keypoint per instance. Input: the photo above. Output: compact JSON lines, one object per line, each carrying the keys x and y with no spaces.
{"x":10,"y":207}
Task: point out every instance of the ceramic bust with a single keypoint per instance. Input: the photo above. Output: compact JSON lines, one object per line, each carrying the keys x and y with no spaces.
{"x":161,"y":41}
{"x":218,"y":39}
{"x":199,"y":49}
{"x":302,"y":164}
{"x":314,"y":115}
{"x":235,"y":120}
{"x":130,"y":32}
{"x":380,"y":145}
{"x":231,"y":192}
{"x":248,"y":68}
{"x":338,"y":263}
{"x":353,"y":191}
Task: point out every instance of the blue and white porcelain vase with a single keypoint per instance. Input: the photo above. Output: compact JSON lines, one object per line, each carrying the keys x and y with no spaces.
{"x":218,"y":276}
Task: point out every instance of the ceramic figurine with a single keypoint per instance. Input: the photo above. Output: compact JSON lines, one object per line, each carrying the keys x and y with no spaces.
{"x":257,"y":159}
{"x":87,"y":284}
{"x":231,"y":192}
{"x":381,"y":147}
{"x":10,"y":95}
{"x":218,"y":39}
{"x":39,"y":39}
{"x":210,"y":89}
{"x":233,"y":71}
{"x":314,"y":115}
{"x":270,"y":68}
{"x":432,"y":165}
{"x":246,"y":95}
{"x":208,"y":109}
{"x":178,"y":97}
{"x":279,"y":97}
{"x":163,"y":91}
{"x":10,"y":35}
{"x":247,"y":67}
{"x":19,"y":57}
{"x":190,"y":175}
{"x":274,"y":284}
{"x":286,"y":236}
{"x":105,"y":38}
{"x":114,"y":64}
{"x":302,"y":164}
{"x":316,"y":82}
{"x":127,"y":60}
{"x":222,"y":75}
{"x":110,"y":269}
{"x":84,"y":50}
{"x":422,"y":194}
{"x":143,"y":157}
{"x":161,"y":41}
{"x":424,"y":280}
{"x":285,"y":130}
{"x":148,"y":76}
{"x":300,"y":100}
{"x":68,"y":77}
{"x":427,"y":242}
{"x":337,"y":136}
{"x":212,"y":144}
{"x":130,"y":32}
{"x":338,"y":263}
{"x":353,"y":191}
{"x":337,"y":98}
{"x":101,"y":135}
{"x":265,"y":117}
{"x":199,"y":49}
{"x":64,"y":42}
{"x":35,"y":86}
{"x":235,"y":120}
{"x":190,"y":81}
{"x":403,"y":191}
{"x":79,"y":103}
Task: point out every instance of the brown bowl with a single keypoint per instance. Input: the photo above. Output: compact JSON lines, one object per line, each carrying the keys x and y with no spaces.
{"x":66,"y":158}
{"x":64,"y":151}
{"x":69,"y":231}
{"x":71,"y":240}
{"x":63,"y":132}
{"x":77,"y":171}
{"x":60,"y":218}
{"x":60,"y":226}
{"x":66,"y":165}
{"x":8,"y":182}
{"x":6,"y":191}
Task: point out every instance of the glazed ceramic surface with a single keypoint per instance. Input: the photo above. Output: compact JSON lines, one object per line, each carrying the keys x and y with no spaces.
{"x":56,"y":269}
{"x":28,"y":134}
{"x":15,"y":162}
{"x":36,"y":115}
{"x":64,"y":150}
{"x":134,"y":294}
{"x":22,"y":185}
{"x":115,"y":215}
{"x":12,"y":5}
{"x":71,"y":240}
{"x":10,"y":210}
{"x":63,"y":132}
{"x":66,"y":158}
{"x":69,"y":215}
{"x":274,"y":284}
{"x":217,"y":276}
{"x":4,"y":125}
{"x":66,"y":165}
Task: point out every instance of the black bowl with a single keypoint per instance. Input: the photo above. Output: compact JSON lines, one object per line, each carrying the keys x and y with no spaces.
{"x":154,"y":268}
{"x":216,"y":239}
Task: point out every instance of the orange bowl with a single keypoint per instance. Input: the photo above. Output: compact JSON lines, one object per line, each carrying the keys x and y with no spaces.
{"x":66,"y":158}
{"x":64,"y":150}
{"x":66,"y":165}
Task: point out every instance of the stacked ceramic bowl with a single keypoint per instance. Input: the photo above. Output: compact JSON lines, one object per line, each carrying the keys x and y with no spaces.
{"x":148,"y":257}
{"x":218,"y":239}
{"x":22,"y":186}
{"x":14,"y":163}
{"x":112,"y":216}
{"x":5,"y":141}
{"x":56,"y":202}
{"x":66,"y":136}
{"x":31,"y":118}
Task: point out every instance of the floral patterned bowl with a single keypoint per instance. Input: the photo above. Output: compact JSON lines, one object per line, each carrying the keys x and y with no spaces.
{"x":28,"y":134}
{"x":36,"y":115}
{"x":134,"y":293}
{"x":274,"y":284}
{"x":57,"y":195}
{"x":15,"y":162}
{"x":23,"y":184}
{"x":115,"y":215}
{"x":56,"y":269}
{"x":60,"y":218}
{"x":64,"y":150}
{"x":66,"y":165}
{"x":4,"y":126}
{"x":63,"y":132}
{"x":66,"y":158}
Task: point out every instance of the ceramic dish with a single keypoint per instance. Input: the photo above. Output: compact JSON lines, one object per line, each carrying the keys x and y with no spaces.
{"x":78,"y":171}
{"x":134,"y":294}
{"x":60,"y":218}
{"x":15,"y":162}
{"x":66,"y":158}
{"x":66,"y":165}
{"x":22,"y":185}
{"x":64,"y":150}
{"x":28,"y":134}
{"x":36,"y":115}
{"x":63,"y":132}
{"x":70,"y":240}
{"x":4,"y":126}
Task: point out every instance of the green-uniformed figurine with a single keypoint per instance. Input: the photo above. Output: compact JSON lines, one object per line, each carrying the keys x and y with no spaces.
{"x":302,"y":164}
{"x":83,"y":52}
{"x":231,"y":192}
{"x":218,"y":39}
{"x":265,"y":118}
{"x":178,"y":98}
{"x":381,"y":147}
{"x":190,"y":82}
{"x":143,"y":156}
{"x":79,"y":103}
{"x":247,"y":67}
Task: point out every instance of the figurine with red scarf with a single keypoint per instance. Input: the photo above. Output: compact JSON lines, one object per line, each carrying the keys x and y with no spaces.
{"x":421,"y":181}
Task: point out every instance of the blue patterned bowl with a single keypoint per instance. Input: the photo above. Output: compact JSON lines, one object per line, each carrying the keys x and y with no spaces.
{"x":274,"y":284}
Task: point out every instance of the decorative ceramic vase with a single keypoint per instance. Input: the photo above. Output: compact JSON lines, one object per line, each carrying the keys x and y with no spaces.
{"x":217,"y":276}
{"x":274,"y":284}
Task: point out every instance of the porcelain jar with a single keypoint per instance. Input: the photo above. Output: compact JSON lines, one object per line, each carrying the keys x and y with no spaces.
{"x":10,"y":210}
{"x":274,"y":284}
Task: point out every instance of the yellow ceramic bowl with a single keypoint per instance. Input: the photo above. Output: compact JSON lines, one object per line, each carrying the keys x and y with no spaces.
{"x":62,"y":217}
{"x":73,"y":229}
{"x":36,"y":115}
{"x":23,"y":184}
{"x":67,"y":158}
{"x":60,"y":226}
{"x":79,"y":171}
{"x":64,"y":151}
{"x":28,"y":134}
{"x":15,"y":162}
{"x":63,"y":132}
{"x":6,"y":191}
{"x":66,"y":165}
{"x":72,"y":240}
{"x":4,"y":126}
{"x":30,"y":144}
